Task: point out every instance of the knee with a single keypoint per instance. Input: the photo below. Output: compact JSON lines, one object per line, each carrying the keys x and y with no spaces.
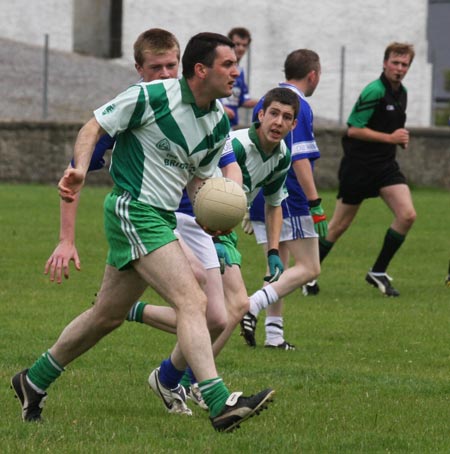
{"x":409,"y":218}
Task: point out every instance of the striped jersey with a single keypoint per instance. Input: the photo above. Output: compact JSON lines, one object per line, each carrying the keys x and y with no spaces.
{"x":163,"y":140}
{"x":302,"y":143}
{"x":260,"y":170}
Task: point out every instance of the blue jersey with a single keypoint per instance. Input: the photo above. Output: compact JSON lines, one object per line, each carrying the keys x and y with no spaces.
{"x":238,"y":96}
{"x":303,"y":145}
{"x":105,"y":143}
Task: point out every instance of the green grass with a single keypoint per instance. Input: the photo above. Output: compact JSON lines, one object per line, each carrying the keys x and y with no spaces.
{"x":370,"y":374}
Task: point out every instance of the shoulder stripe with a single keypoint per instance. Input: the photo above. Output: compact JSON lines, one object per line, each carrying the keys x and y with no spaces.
{"x":163,"y":117}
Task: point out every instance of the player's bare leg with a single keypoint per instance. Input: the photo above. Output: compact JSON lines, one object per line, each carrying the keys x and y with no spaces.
{"x":342,"y":218}
{"x":305,"y":253}
{"x":182,"y":291}
{"x":274,"y":312}
{"x":119,"y":290}
{"x":398,"y":199}
{"x":237,"y":304}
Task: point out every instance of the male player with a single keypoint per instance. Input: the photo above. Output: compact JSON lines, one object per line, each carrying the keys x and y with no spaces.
{"x":157,"y":55}
{"x":240,"y":96}
{"x":169,"y":136}
{"x":302,"y":210}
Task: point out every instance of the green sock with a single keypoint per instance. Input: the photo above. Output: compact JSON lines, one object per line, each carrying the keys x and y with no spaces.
{"x":136,"y":312}
{"x":215,"y":394}
{"x":45,"y":371}
{"x":186,"y":379}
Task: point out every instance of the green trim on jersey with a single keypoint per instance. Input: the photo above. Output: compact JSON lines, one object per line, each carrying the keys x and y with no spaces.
{"x":365,"y":105}
{"x":255,"y":139}
{"x":136,"y":117}
{"x":122,"y":168}
{"x":159,"y":102}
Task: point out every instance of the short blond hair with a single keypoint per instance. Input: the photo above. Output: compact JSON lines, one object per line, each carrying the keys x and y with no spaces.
{"x":158,"y":41}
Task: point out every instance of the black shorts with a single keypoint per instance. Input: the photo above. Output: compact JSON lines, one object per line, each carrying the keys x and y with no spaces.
{"x":357,"y":181}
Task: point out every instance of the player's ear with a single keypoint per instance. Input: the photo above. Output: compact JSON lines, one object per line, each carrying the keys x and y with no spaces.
{"x":139,"y":69}
{"x":260,"y":115}
{"x":294,"y":124}
{"x":200,"y":70}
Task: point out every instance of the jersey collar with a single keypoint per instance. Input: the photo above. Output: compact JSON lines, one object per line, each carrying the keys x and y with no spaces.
{"x":293,"y":88}
{"x":188,"y":98}
{"x":255,"y":139}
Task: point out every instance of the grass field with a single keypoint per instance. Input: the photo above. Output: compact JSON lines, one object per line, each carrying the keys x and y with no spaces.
{"x":370,"y":374}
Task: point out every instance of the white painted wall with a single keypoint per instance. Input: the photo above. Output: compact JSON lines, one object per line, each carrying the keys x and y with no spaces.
{"x":364,"y":27}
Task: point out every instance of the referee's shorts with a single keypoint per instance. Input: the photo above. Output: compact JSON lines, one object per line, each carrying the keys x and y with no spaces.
{"x":359,"y":181}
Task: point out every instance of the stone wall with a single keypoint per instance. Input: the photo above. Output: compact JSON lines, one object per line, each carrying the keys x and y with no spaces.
{"x":38,"y":152}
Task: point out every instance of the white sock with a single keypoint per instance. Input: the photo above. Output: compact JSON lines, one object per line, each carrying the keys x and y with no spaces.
{"x":262,"y":298}
{"x":274,"y":331}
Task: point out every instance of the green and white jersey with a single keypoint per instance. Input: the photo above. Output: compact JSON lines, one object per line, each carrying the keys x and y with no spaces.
{"x":260,"y":170}
{"x":163,"y":140}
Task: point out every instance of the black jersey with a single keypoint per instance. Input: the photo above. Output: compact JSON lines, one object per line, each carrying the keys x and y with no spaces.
{"x":381,"y":109}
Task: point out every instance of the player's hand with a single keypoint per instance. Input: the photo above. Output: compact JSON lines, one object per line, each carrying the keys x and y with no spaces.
{"x":222,"y":254}
{"x":276,"y":267}
{"x":246,"y":224}
{"x":58,"y":263}
{"x":213,"y":233}
{"x":71,"y":182}
{"x":400,"y":137}
{"x":319,"y":218}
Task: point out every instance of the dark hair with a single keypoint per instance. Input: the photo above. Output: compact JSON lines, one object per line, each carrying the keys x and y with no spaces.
{"x":283,"y":96}
{"x":400,"y":49}
{"x":242,"y":32}
{"x":201,"y":48}
{"x":157,"y":40}
{"x":300,"y":63}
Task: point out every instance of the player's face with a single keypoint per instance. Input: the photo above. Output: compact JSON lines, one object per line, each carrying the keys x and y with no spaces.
{"x":396,"y":67}
{"x":240,"y":46}
{"x":276,"y":122}
{"x":159,"y":66}
{"x":221,"y":76}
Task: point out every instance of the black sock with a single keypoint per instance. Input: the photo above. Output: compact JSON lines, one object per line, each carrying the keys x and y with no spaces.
{"x":392,"y":242}
{"x":324,"y":248}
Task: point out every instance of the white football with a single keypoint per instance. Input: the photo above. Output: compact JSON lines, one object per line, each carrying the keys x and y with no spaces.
{"x":220,"y":204}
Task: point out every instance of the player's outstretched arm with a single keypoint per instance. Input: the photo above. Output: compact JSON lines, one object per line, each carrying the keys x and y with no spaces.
{"x":58,"y":263}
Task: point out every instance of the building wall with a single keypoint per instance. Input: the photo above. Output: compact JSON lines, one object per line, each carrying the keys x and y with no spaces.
{"x":426,"y":162}
{"x":278,"y":27}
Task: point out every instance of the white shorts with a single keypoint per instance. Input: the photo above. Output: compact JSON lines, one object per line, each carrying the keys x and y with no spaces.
{"x":197,"y":239}
{"x":293,"y":228}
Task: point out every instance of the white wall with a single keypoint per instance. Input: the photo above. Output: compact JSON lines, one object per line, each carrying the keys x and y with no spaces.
{"x":364,"y":27}
{"x":29,"y":20}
